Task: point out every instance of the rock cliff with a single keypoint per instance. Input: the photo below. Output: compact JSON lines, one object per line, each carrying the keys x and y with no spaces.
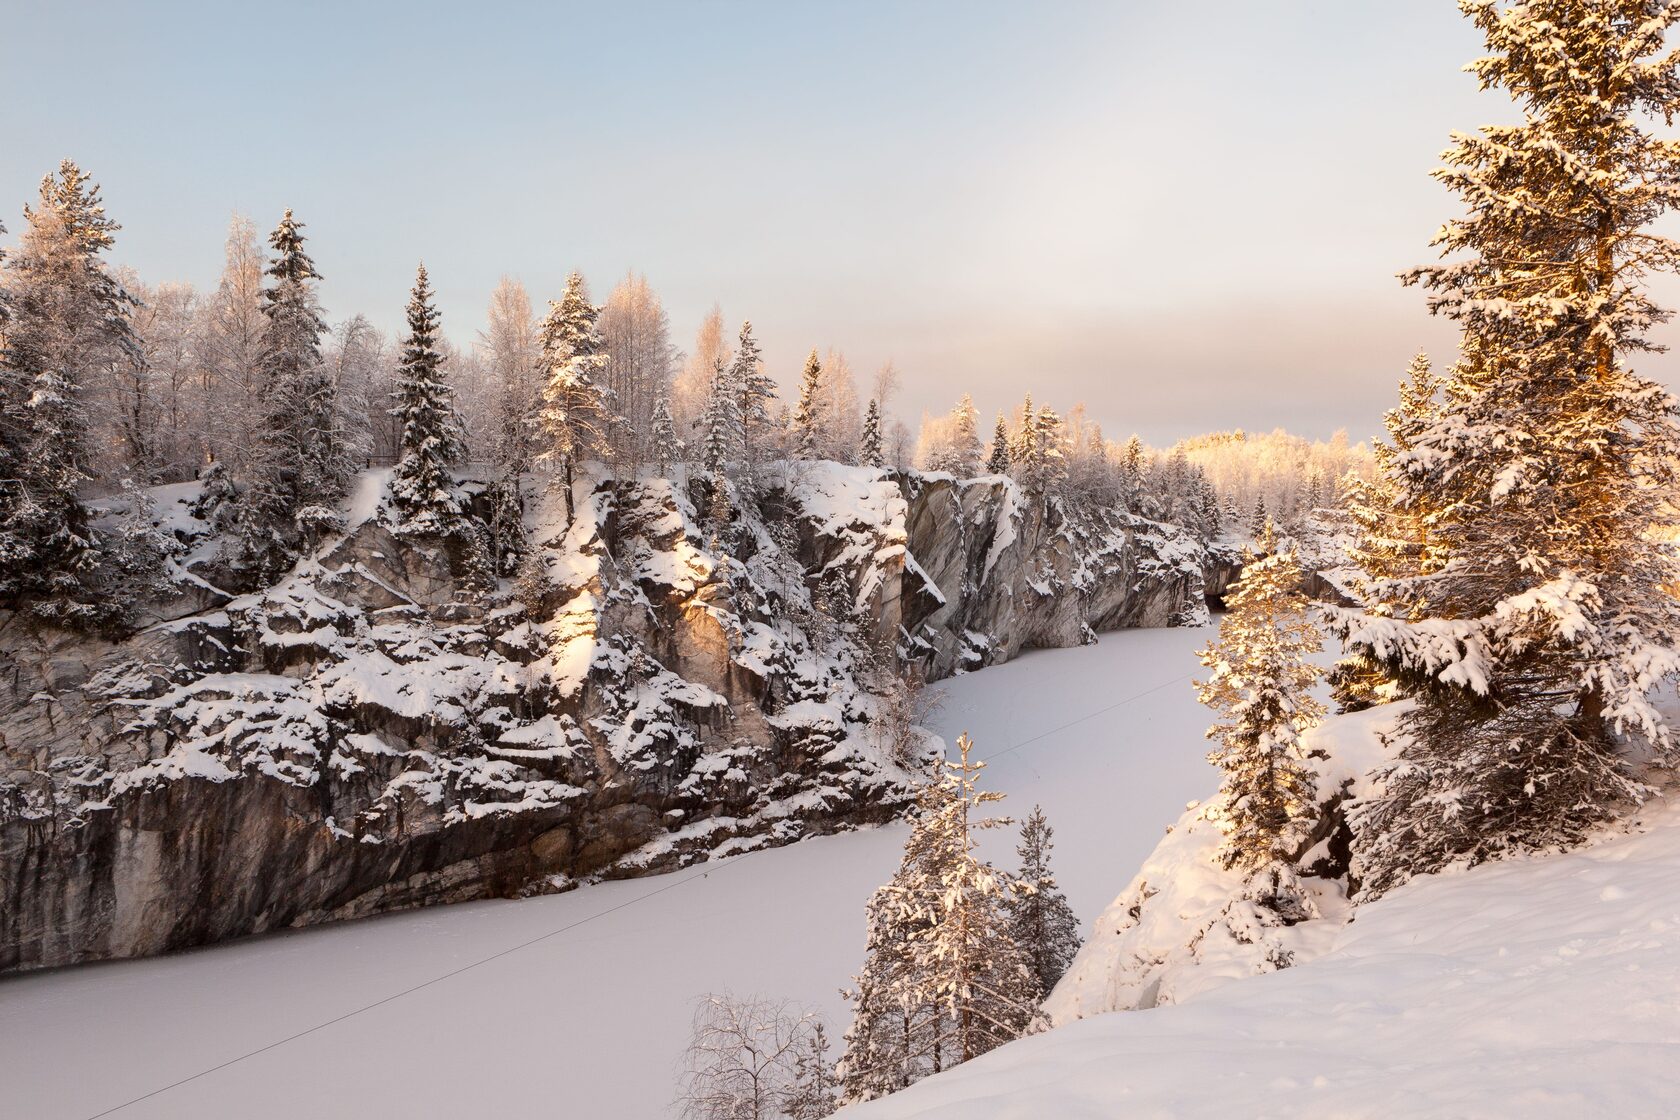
{"x":376,"y":731}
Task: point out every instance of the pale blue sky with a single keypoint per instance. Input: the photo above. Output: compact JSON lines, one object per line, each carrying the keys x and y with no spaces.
{"x":1186,"y":215}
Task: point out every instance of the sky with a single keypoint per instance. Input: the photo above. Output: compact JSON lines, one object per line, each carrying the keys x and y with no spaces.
{"x":1186,"y":216}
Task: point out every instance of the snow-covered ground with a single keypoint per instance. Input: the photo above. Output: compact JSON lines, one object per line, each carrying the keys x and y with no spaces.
{"x":578,"y":1005}
{"x":1535,"y":988}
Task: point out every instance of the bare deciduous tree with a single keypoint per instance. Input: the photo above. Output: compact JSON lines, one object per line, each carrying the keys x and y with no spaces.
{"x":746,"y":1059}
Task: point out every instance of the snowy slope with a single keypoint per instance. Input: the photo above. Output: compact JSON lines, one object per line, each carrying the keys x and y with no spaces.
{"x":582,"y":1009}
{"x":1545,"y":987}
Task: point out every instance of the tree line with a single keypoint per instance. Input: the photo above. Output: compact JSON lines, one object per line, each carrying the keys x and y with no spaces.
{"x":106,"y":383}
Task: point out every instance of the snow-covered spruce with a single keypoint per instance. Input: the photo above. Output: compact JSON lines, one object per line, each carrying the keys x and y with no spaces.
{"x":1040,"y":920}
{"x":66,"y":319}
{"x":943,"y":980}
{"x":432,"y":441}
{"x":1260,"y":681}
{"x":1535,"y":628}
{"x":299,"y":469}
{"x":1192,"y":920}
{"x":577,"y":407}
{"x":371,"y":731}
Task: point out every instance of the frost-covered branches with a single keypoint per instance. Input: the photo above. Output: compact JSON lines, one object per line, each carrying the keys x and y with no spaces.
{"x":576,"y":414}
{"x":1528,"y":601}
{"x":755,"y":1059}
{"x":1260,"y":681}
{"x":943,"y":979}
{"x":422,"y":488}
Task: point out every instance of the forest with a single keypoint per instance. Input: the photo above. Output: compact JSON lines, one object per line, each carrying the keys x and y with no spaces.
{"x":304,"y":624}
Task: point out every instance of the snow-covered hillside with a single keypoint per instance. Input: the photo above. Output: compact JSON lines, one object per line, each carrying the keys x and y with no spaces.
{"x":1539,"y":987}
{"x":580,"y":1007}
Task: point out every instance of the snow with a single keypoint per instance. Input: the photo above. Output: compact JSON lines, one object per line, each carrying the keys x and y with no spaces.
{"x":584,"y":1008}
{"x":1540,"y":988}
{"x":364,"y":500}
{"x":1543,"y":987}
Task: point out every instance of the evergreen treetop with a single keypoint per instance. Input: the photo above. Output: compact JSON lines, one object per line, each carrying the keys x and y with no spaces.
{"x":806,"y":416}
{"x":1040,"y":920}
{"x":998,"y":461}
{"x":869,"y":451}
{"x":1260,"y":681}
{"x":1533,"y":621}
{"x":432,"y":438}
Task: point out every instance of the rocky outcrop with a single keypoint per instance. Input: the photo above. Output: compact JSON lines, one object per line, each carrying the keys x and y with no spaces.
{"x":371,"y":733}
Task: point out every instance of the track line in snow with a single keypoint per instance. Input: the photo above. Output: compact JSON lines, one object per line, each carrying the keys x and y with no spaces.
{"x":705,"y":870}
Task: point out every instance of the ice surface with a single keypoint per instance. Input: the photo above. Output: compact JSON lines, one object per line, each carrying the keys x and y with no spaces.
{"x":590,"y":1021}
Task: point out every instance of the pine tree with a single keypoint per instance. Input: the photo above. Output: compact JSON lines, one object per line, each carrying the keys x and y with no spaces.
{"x":576,"y":410}
{"x":968,"y":961}
{"x":1542,"y":622}
{"x":754,"y":389}
{"x":1040,"y":920}
{"x":807,"y":439}
{"x":896,"y":1035}
{"x":998,"y":461}
{"x":1391,"y":545}
{"x":422,"y":488}
{"x":1133,"y":464}
{"x":1261,"y":683}
{"x":869,"y":454}
{"x":1391,"y":540}
{"x":1259,"y":519}
{"x":70,"y":323}
{"x":1048,"y":458}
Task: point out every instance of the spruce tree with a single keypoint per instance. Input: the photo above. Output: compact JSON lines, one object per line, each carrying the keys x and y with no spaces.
{"x":432,"y":439}
{"x":815,"y":1093}
{"x":720,"y":424}
{"x":1040,"y":919}
{"x":69,"y":325}
{"x":1261,"y":684}
{"x":667,"y":448}
{"x":576,"y":413}
{"x":943,"y":979}
{"x":754,"y":390}
{"x":1390,"y":546}
{"x":300,"y":468}
{"x":1536,"y":634}
{"x":998,"y":461}
{"x":965,"y":439}
{"x":869,"y":452}
{"x":807,"y":417}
